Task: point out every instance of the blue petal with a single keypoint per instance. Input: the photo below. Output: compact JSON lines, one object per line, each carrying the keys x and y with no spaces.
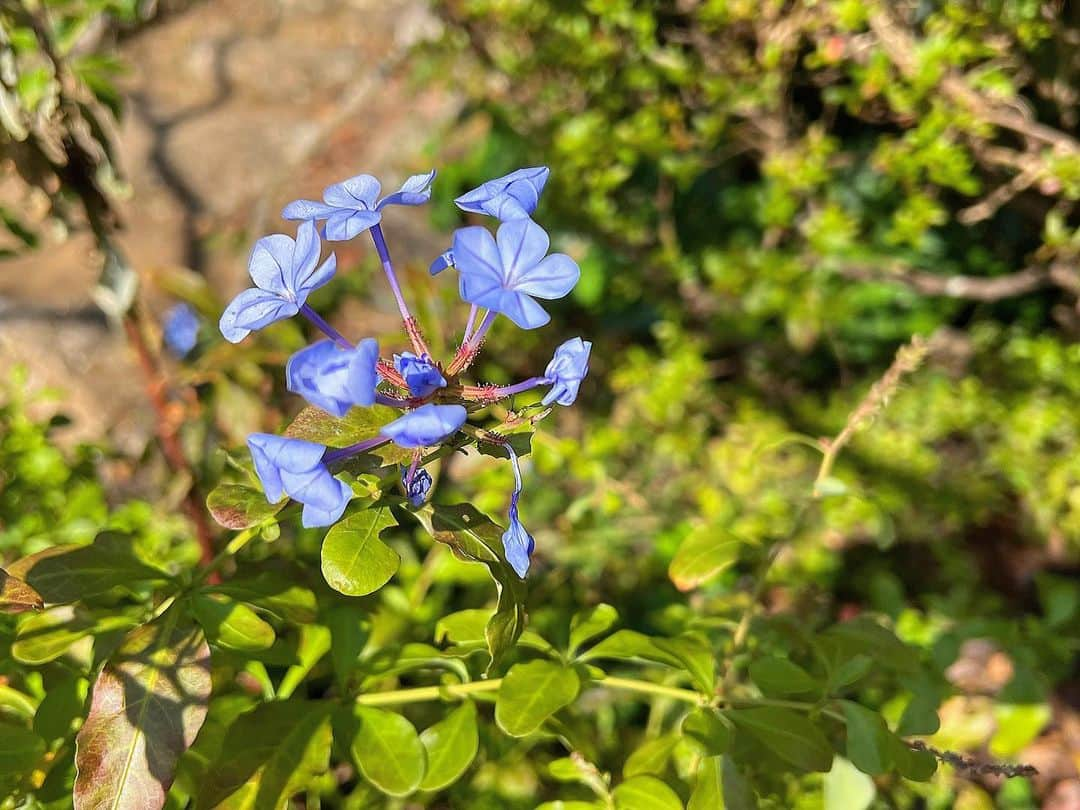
{"x":514,"y":196}
{"x":421,"y":375}
{"x":417,"y":489}
{"x":358,"y":192}
{"x":426,"y":426}
{"x":552,"y":278}
{"x":522,"y":245}
{"x":332,"y":378}
{"x":414,"y":191}
{"x":566,"y":370}
{"x":270,"y":263}
{"x":253,"y":309}
{"x":518,"y":545}
{"x":307,"y":209}
{"x":347,"y":224}
{"x":274,"y":455}
{"x":445,"y":260}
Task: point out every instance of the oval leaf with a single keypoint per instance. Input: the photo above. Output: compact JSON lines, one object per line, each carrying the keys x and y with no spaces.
{"x":651,"y":757}
{"x":531,"y":693}
{"x":868,"y":739}
{"x":232,"y":624}
{"x":705,"y":554}
{"x":709,"y":729}
{"x":589,"y":624}
{"x":451,"y":746}
{"x":646,"y":793}
{"x":779,"y":676}
{"x":237,"y":507}
{"x":789,"y":735}
{"x":20,"y":749}
{"x":148,"y":704}
{"x":388,"y":751}
{"x":355,"y":561}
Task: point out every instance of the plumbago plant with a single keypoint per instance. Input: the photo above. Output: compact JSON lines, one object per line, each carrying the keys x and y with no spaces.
{"x":134,"y":679}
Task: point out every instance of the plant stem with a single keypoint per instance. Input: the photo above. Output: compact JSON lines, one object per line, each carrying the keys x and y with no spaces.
{"x":422,"y":694}
{"x":411,"y":327}
{"x":320,"y":323}
{"x":650,"y":688}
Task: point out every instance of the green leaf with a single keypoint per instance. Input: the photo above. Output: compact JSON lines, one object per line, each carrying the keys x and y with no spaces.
{"x":645,"y":793}
{"x":779,"y":676}
{"x":75,"y":573}
{"x":695,"y":655}
{"x":316,"y":425}
{"x":559,"y":804}
{"x":387,"y":750}
{"x":146,"y":707}
{"x":708,"y":788}
{"x":46,"y":636}
{"x":473,"y":537}
{"x":848,"y":788}
{"x":917,"y":766}
{"x":532,"y":692}
{"x":204,"y":754}
{"x":20,"y":749}
{"x":851,"y":670}
{"x":738,"y":795}
{"x":706,"y":553}
{"x":275,"y":591}
{"x":355,"y":561}
{"x":463,"y":627}
{"x":920,"y":715}
{"x":651,"y":757}
{"x":349,"y":633}
{"x":630,"y":645}
{"x":272,"y":752}
{"x":788,"y":734}
{"x":588,"y":624}
{"x":60,"y":707}
{"x":709,"y":729}
{"x":16,"y":596}
{"x":1017,"y":727}
{"x":236,"y":506}
{"x":868,"y":739}
{"x":451,"y":746}
{"x":231,"y":624}
{"x":864,"y":636}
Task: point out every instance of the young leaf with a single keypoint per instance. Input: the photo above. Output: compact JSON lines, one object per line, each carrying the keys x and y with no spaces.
{"x":629,"y":645}
{"x":474,"y":538}
{"x":588,"y":624}
{"x":147,"y":705}
{"x":779,"y":676}
{"x":72,"y":573}
{"x":559,"y":804}
{"x":272,"y":752}
{"x":387,"y":751}
{"x":355,"y":561}
{"x":275,"y":591}
{"x":237,"y":507}
{"x":451,"y":746}
{"x":704,"y":554}
{"x":868,"y":739}
{"x":16,"y":596}
{"x":920,"y":715}
{"x":532,"y":692}
{"x":651,"y":757}
{"x":709,"y":729}
{"x":708,"y":789}
{"x":232,"y":624}
{"x":46,"y":636}
{"x":645,"y":793}
{"x":789,"y":735}
{"x":316,"y":425}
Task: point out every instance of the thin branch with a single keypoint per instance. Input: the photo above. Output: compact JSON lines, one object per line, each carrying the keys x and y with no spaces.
{"x":973,"y":288}
{"x":973,"y":766}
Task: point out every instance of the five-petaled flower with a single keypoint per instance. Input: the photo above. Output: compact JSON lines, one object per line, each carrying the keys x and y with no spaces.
{"x":501,"y":274}
{"x":505,"y":272}
{"x":295,"y":467}
{"x":513,"y":196}
{"x":352,"y":206}
{"x":285,"y":273}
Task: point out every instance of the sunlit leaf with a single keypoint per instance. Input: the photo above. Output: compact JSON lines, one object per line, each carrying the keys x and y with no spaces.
{"x":848,"y":788}
{"x":236,"y":506}
{"x":355,"y":561}
{"x":704,"y":555}
{"x":590,"y":623}
{"x":231,"y":624}
{"x":275,"y":591}
{"x":532,"y":692}
{"x":645,"y":793}
{"x":451,"y":746}
{"x":146,"y":707}
{"x":709,"y":729}
{"x":46,"y":636}
{"x":651,"y":757}
{"x":387,"y":750}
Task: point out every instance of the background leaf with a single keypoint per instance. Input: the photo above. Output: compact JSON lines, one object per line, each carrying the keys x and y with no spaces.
{"x":237,"y":507}
{"x":16,"y":596}
{"x":532,"y":692}
{"x":787,"y":734}
{"x":645,"y":793}
{"x":703,"y":555}
{"x":451,"y":746}
{"x":387,"y":750}
{"x":355,"y":561}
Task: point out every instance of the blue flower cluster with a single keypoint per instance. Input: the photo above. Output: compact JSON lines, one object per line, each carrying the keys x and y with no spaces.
{"x":503,"y":274}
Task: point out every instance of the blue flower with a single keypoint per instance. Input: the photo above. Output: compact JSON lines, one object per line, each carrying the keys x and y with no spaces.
{"x":332,"y":378}
{"x":566,"y":371}
{"x":426,"y":426}
{"x":511,"y":197}
{"x":352,"y":206}
{"x":417,"y":489}
{"x":421,"y":375}
{"x":517,"y":542}
{"x":285,"y":272}
{"x":295,"y":468}
{"x":503,"y":272}
{"x":181,"y":330}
